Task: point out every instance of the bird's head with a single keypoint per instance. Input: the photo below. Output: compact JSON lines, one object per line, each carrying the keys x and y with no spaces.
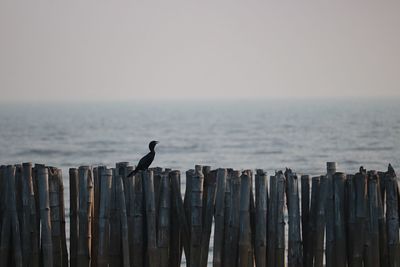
{"x":152,"y":144}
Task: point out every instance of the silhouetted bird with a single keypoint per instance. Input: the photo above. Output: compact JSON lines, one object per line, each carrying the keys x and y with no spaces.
{"x":145,"y":162}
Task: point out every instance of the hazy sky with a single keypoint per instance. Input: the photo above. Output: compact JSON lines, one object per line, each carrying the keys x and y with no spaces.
{"x":119,"y":50}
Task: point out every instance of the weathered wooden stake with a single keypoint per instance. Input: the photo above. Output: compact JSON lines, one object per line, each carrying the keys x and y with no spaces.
{"x":43,"y":185}
{"x":339,"y":180}
{"x":305,"y":217}
{"x":329,"y":213}
{"x":148,"y":185}
{"x":210,"y":186}
{"x":219,"y":218}
{"x":272,"y":221}
{"x":392,"y":218}
{"x":104,"y":211}
{"x":245,"y":248}
{"x":138,"y":222}
{"x":295,"y":255}
{"x":320,"y":223}
{"x":164,"y":220}
{"x":260,"y":248}
{"x":55,"y":215}
{"x":372,"y":238}
{"x":124,"y":223}
{"x":74,"y":205}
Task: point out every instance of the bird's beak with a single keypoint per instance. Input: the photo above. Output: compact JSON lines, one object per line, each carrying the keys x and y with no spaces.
{"x":157,"y":142}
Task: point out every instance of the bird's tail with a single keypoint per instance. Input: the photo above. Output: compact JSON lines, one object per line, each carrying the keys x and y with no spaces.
{"x":132,"y":173}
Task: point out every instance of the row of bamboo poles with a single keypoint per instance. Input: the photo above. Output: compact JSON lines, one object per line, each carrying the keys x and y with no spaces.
{"x":333,"y":219}
{"x":32,"y":218}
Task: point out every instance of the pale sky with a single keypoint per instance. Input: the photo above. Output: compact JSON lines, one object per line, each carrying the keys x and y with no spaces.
{"x":123,"y":50}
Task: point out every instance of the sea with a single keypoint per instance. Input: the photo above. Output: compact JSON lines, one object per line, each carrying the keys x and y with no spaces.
{"x":269,"y":134}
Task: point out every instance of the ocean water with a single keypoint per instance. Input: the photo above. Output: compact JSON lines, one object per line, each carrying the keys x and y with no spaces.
{"x":301,"y":134}
{"x":272,"y":135}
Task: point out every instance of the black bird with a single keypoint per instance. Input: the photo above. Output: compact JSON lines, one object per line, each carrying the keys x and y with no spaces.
{"x":145,"y":162}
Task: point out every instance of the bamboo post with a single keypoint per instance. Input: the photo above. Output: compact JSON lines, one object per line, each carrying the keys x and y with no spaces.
{"x":232,"y":240}
{"x":55,"y":215}
{"x":272,"y":221}
{"x":350,"y":218}
{"x":227,"y":215}
{"x":85,"y":215}
{"x":295,"y":257}
{"x":329,"y":212}
{"x":219,"y":217}
{"x":196,"y":204}
{"x":26,"y":218}
{"x":104,"y":211}
{"x":96,"y":204}
{"x":360,"y":183}
{"x":280,"y":226}
{"x":124,"y":224}
{"x":261,"y":218}
{"x":43,"y":185}
{"x":245,"y":249}
{"x":130,"y":211}
{"x":305,"y":217}
{"x":5,"y":246}
{"x":339,"y":180}
{"x":64,"y":249}
{"x":392,"y":218}
{"x":179,"y":207}
{"x":372,"y":238}
{"x":187,"y":206}
{"x":176,"y":235}
{"x":383,"y":248}
{"x":210,"y":185}
{"x":138,"y":222}
{"x":148,"y":185}
{"x":164,"y":221}
{"x":74,"y":204}
{"x":115,"y":224}
{"x":320,"y":223}
{"x":312,"y":224}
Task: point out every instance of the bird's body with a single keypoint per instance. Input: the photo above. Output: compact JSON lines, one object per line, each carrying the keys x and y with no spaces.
{"x":145,"y":162}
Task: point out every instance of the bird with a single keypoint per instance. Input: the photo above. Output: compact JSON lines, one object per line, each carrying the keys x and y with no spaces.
{"x":145,"y":162}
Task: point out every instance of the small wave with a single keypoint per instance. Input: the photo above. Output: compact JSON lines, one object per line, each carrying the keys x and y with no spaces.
{"x":266,"y":152}
{"x":383,"y":148}
{"x":44,"y":152}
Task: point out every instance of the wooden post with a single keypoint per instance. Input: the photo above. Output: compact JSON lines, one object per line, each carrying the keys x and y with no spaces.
{"x":392,"y":218}
{"x":261,"y":218}
{"x":196,"y":200}
{"x":219,"y":218}
{"x":104,"y":211}
{"x":312,"y":224}
{"x":176,"y":233}
{"x":26,"y":218}
{"x":360,"y":183}
{"x":179,"y":207}
{"x":339,"y":180}
{"x":96,"y":205}
{"x":245,"y":249}
{"x":55,"y":215}
{"x":232,"y":238}
{"x":226,"y":253}
{"x":138,"y":222}
{"x":383,"y":248}
{"x":295,"y":257}
{"x":350,"y":217}
{"x":74,"y":204}
{"x":305,"y":217}
{"x":272,"y":221}
{"x":187,"y":206}
{"x":115,"y":224}
{"x":64,"y":249}
{"x":372,"y":238}
{"x":148,"y":186}
{"x":329,"y":213}
{"x":85,"y":215}
{"x":320,"y":223}
{"x":124,"y":224}
{"x":164,"y":221}
{"x":210,"y":185}
{"x":280,"y":226}
{"x":43,"y":185}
